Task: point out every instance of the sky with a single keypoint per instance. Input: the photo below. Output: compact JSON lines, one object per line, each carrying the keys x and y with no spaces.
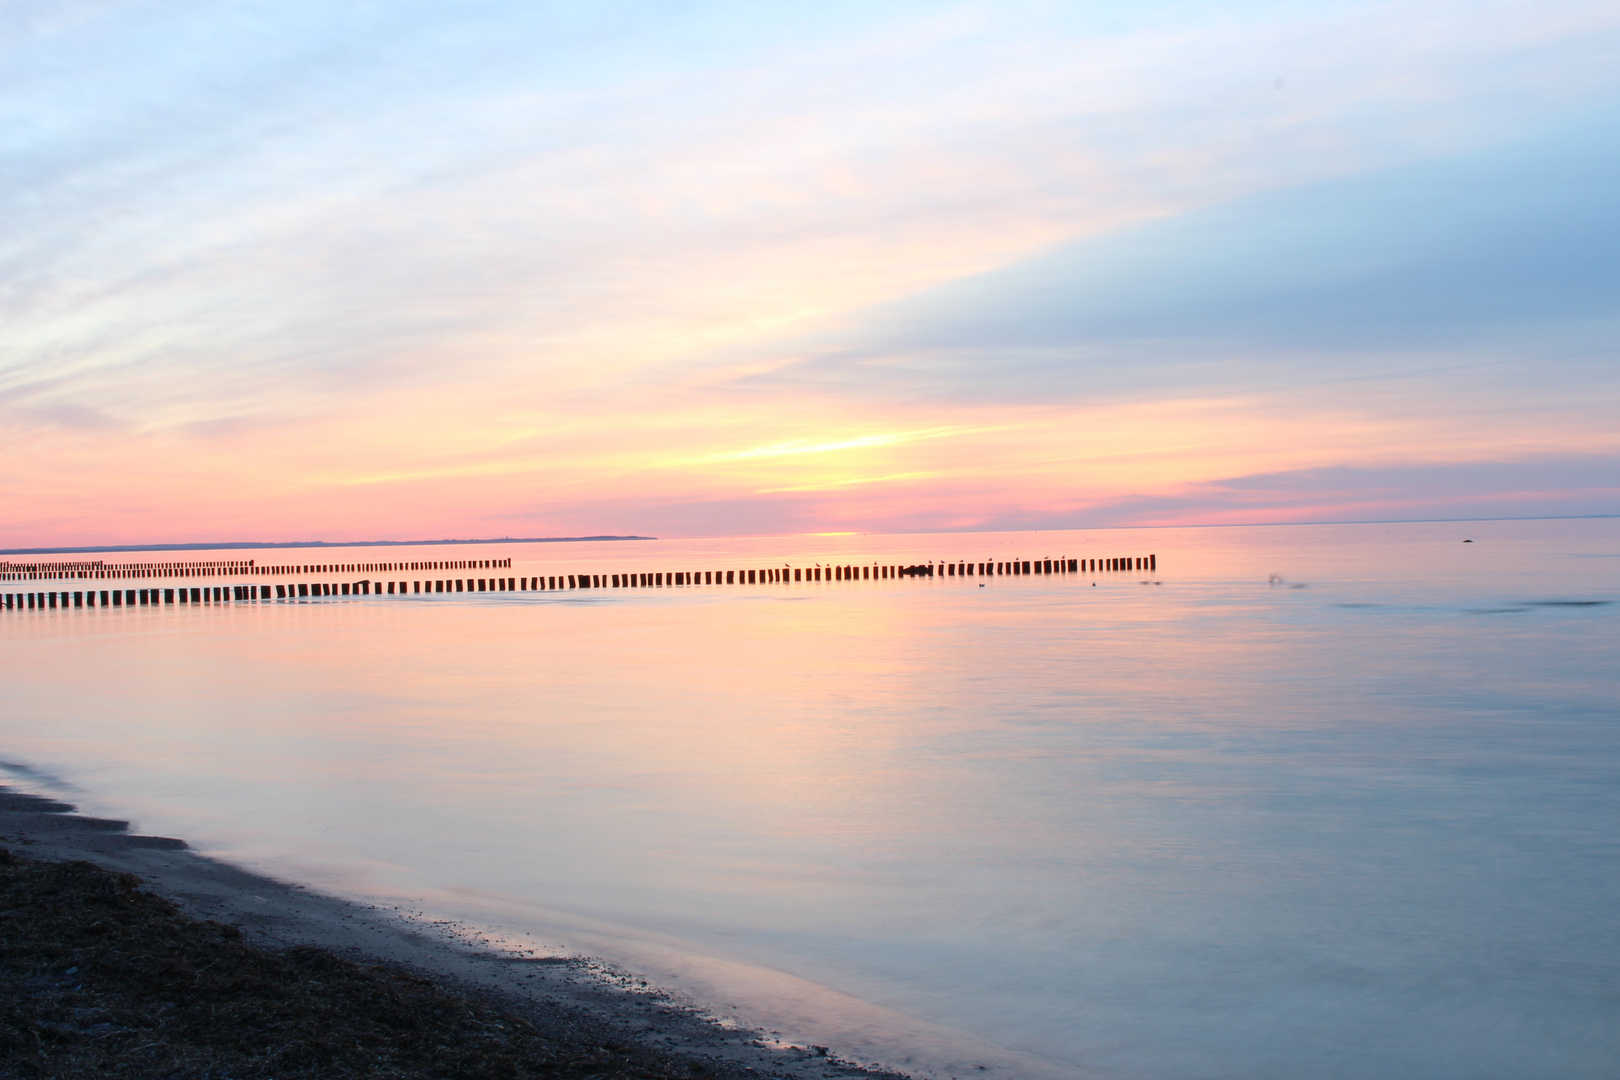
{"x":286,"y":270}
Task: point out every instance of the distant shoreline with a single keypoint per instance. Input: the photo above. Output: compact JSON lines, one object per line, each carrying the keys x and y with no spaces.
{"x":254,"y":545}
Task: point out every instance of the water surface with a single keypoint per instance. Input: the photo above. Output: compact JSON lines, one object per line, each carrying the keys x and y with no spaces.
{"x":1325,"y":801}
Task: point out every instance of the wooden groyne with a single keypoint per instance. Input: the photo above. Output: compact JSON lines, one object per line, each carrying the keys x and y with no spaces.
{"x":100,"y":571}
{"x":772,"y":575}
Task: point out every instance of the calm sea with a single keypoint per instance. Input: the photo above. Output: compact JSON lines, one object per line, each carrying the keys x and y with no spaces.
{"x":1310,"y":801}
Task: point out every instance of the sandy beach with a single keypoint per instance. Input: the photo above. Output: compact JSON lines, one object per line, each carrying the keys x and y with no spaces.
{"x":572,"y":1000}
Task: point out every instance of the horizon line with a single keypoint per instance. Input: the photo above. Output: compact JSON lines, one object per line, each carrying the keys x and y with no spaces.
{"x":270,"y":544}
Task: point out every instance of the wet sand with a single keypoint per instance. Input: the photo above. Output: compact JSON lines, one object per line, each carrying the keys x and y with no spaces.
{"x":565,"y":993}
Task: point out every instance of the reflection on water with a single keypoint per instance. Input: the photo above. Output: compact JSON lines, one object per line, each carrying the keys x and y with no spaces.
{"x":1218,"y":827}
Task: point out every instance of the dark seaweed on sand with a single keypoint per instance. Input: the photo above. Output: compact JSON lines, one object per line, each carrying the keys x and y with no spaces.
{"x":99,"y":978}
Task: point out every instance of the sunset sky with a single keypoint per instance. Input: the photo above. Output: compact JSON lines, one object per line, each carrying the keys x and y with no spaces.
{"x":288,"y":270}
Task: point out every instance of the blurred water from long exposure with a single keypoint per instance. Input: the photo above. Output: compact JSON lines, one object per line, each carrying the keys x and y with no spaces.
{"x":1310,"y":801}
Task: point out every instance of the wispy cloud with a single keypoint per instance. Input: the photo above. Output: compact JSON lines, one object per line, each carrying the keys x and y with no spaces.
{"x":833,"y":485}
{"x":859,"y":442}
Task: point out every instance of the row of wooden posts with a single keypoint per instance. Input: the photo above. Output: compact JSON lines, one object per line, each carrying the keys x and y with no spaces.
{"x":19,"y":601}
{"x":99,"y":571}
